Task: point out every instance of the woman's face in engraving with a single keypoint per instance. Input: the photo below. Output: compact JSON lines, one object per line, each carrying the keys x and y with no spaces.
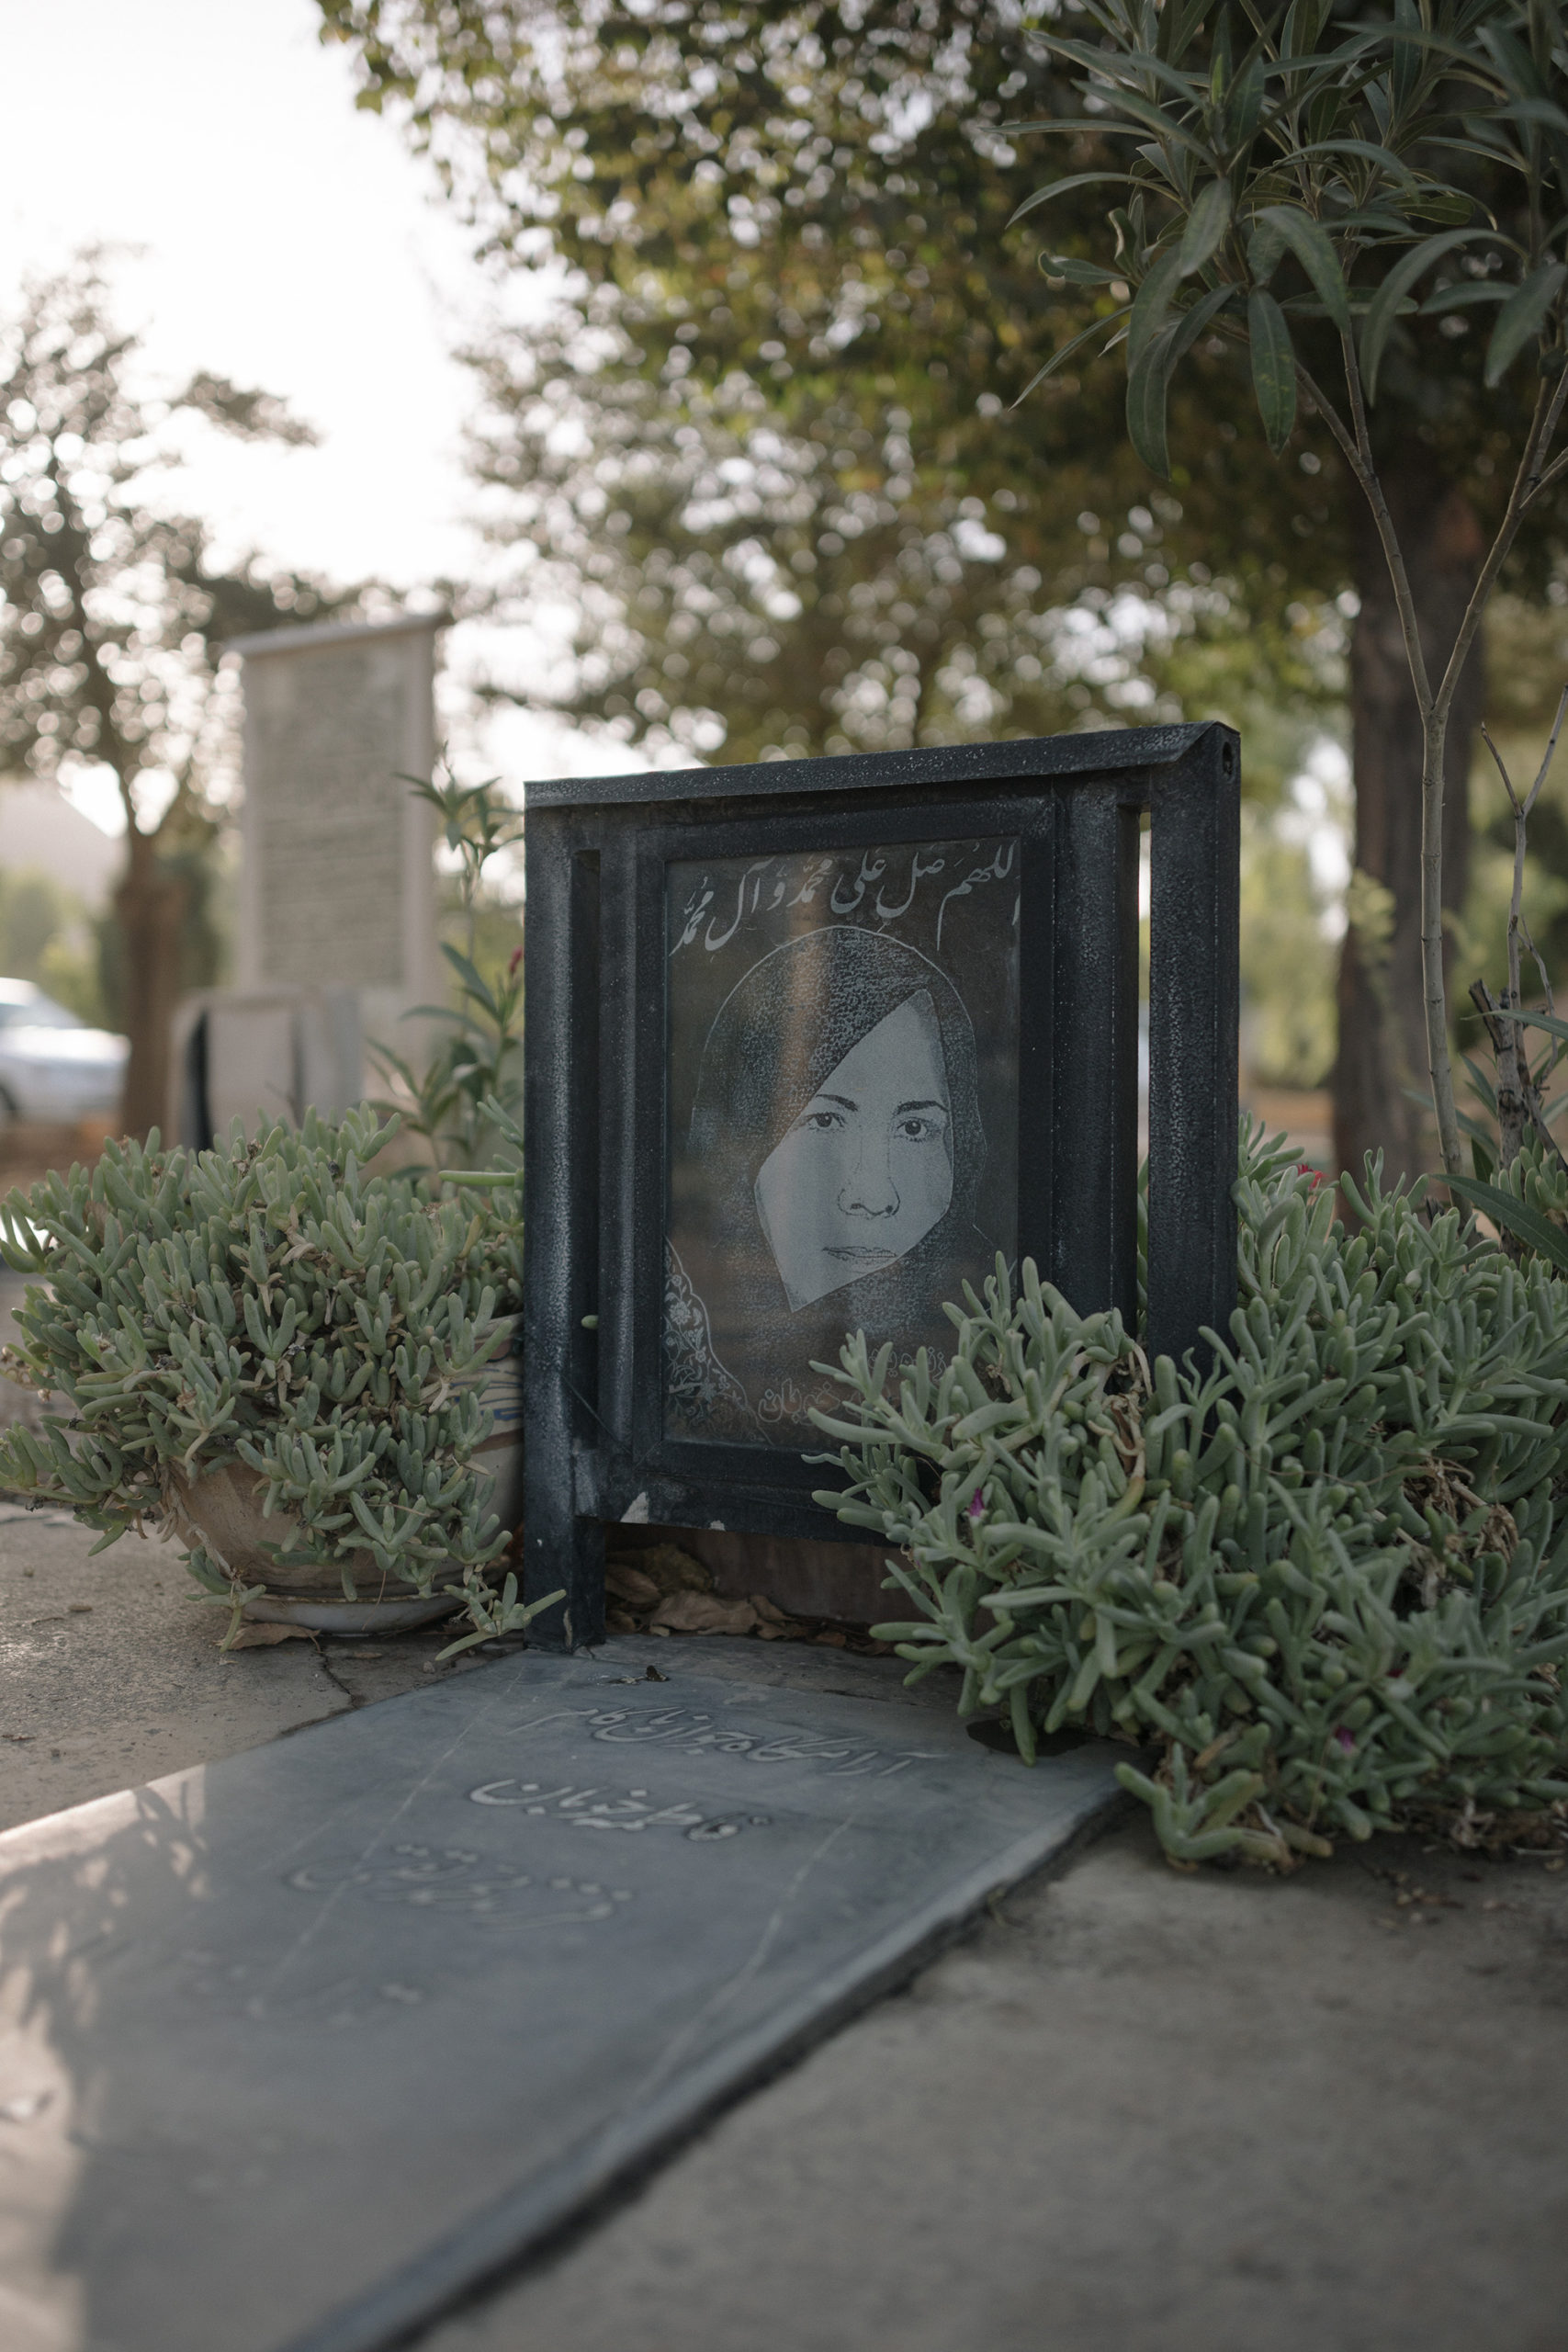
{"x":866,"y":1169}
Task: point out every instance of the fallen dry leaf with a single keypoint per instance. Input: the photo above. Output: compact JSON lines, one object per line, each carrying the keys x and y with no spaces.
{"x":668,"y":1568}
{"x":703,"y":1612}
{"x":631,"y":1586}
{"x":262,"y":1637}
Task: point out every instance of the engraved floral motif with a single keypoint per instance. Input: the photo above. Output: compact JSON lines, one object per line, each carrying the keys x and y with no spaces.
{"x":702,"y":1399}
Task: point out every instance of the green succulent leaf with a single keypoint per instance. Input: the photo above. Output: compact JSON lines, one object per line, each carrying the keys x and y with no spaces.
{"x":1324,"y":1584}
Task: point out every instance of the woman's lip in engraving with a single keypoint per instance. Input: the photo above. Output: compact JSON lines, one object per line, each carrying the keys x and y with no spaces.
{"x":860,"y":1253}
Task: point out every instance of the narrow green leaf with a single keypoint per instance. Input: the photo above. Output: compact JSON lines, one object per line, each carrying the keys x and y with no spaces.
{"x":1243,"y":104}
{"x":1537,"y":110}
{"x":1538,"y":1232}
{"x":1538,"y":1021}
{"x":1075,"y":271}
{"x":473,"y":985}
{"x":1445,"y":205}
{"x":1383,"y":309}
{"x":1265,"y":251}
{"x":1061,"y":188}
{"x":1149,"y":117}
{"x":1152,"y":302}
{"x":1058,"y":358}
{"x":1206,"y":226}
{"x":1521,"y":317}
{"x":1128,"y":69}
{"x":1066,"y":123}
{"x":1148,"y":383}
{"x":1273,"y":367}
{"x":1461,"y":297}
{"x":1385,"y":161}
{"x":1190,"y":325}
{"x":1149,"y":373}
{"x":1309,"y":242}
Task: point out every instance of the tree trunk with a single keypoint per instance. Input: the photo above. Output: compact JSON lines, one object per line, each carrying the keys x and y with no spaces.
{"x":150,"y":903}
{"x":1382,"y":1034}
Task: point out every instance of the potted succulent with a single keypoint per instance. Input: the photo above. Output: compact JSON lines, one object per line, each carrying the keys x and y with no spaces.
{"x":287,"y":1361}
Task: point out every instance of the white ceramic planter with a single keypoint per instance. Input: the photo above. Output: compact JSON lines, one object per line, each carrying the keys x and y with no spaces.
{"x":223,"y":1511}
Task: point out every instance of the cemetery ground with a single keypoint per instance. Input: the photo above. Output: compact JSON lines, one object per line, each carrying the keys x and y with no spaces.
{"x":1131,"y":2111}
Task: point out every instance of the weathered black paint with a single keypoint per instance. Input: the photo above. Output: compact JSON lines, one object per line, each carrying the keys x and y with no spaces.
{"x":595,"y":1083}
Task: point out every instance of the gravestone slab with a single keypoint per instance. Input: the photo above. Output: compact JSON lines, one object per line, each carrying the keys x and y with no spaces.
{"x":337,"y":880}
{"x":296,"y":2047}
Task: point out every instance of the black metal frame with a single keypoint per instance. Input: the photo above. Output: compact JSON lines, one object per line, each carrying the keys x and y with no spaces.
{"x":594,"y":1086}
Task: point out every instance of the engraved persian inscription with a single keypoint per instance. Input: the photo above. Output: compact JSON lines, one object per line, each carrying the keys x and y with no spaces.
{"x":690,"y":1731}
{"x":589,"y":1809}
{"x":455,"y":1879}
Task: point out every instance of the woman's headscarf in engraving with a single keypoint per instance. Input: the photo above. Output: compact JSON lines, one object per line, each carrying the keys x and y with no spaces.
{"x":775,"y":1042}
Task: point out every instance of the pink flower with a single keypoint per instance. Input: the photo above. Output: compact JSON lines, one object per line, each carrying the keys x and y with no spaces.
{"x":976,"y":1506}
{"x":1346,"y":1739}
{"x":516,"y":960}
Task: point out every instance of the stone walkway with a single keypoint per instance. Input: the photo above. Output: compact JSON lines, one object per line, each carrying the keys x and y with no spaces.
{"x":1134,"y":2112}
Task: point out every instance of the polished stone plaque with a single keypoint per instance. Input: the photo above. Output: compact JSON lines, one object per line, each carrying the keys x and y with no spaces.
{"x":296,"y":2047}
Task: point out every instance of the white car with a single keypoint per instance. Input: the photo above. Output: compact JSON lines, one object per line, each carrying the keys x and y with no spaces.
{"x":51,"y":1065}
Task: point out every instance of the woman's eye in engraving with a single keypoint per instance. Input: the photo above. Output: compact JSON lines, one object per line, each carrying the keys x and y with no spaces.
{"x":921,"y":1126}
{"x":820,"y":1123}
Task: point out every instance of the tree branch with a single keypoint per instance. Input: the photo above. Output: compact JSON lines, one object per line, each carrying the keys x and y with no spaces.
{"x":1526,"y":485}
{"x":1393,"y":554}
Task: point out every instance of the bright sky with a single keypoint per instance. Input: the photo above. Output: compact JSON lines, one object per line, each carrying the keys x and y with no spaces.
{"x":287,"y":240}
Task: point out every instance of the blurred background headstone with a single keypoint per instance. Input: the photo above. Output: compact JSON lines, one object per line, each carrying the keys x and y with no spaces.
{"x":337,"y":905}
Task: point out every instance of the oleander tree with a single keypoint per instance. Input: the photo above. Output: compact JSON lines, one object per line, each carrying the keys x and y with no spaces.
{"x":1336,"y":199}
{"x":755,"y":455}
{"x":765,"y":443}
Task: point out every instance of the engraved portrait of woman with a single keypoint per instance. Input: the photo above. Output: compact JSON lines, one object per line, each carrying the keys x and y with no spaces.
{"x":829,"y":1182}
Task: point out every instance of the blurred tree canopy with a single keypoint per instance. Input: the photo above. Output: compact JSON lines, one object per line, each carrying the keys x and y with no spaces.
{"x":766,"y":427}
{"x":114,"y":613}
{"x":769,"y":426}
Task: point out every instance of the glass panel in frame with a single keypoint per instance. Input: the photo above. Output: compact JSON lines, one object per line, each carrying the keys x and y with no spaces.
{"x":841,"y":1114}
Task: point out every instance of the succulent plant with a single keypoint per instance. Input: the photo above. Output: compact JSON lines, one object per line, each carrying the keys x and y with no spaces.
{"x":273,"y":1303}
{"x":1322,"y":1582}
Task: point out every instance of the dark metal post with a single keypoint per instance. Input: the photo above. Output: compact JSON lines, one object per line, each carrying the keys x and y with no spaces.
{"x":1091,"y":1112}
{"x":561,"y":1227}
{"x":1195,"y":850}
